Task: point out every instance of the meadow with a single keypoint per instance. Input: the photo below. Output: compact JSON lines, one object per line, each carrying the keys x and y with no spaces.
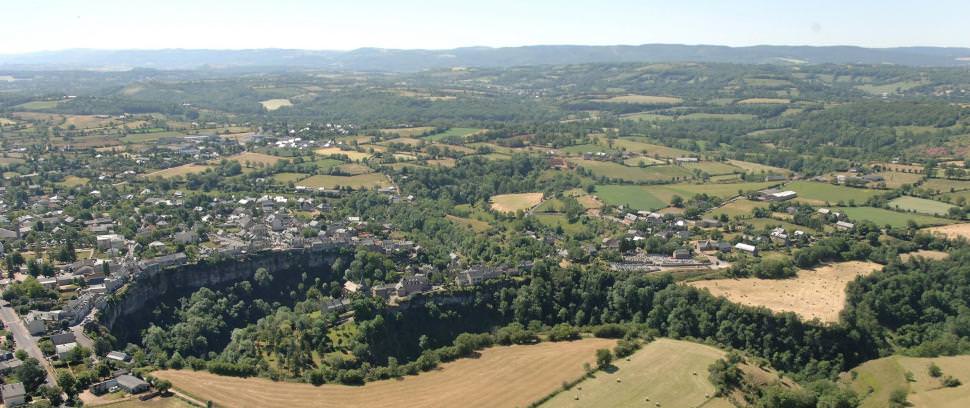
{"x":875,"y":380}
{"x":176,"y":171}
{"x":817,"y":193}
{"x":636,"y":174}
{"x":652,"y":197}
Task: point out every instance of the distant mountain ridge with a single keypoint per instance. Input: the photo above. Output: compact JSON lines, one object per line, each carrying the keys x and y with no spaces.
{"x":409,"y":60}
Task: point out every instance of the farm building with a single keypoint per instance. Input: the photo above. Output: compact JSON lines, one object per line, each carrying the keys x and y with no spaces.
{"x":119,"y":356}
{"x":132,"y":384}
{"x":751,"y":249}
{"x":772,"y":194}
{"x":844,"y":226}
{"x":13,"y":394}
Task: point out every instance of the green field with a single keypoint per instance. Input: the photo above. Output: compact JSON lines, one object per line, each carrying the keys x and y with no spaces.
{"x":658,"y":196}
{"x":453,"y":132}
{"x":920,"y":205}
{"x":325,"y":165}
{"x":881,"y":217}
{"x":821,"y":193}
{"x":363,"y":181}
{"x":643,"y":145}
{"x":717,"y":116}
{"x":626,"y":173}
{"x":586,"y":148}
{"x":666,"y":373}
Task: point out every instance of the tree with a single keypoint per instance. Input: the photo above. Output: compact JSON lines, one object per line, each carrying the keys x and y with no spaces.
{"x":163,"y":386}
{"x":604,"y":357}
{"x":67,"y":382}
{"x":677,"y":201}
{"x":31,"y":374}
{"x":263,"y":278}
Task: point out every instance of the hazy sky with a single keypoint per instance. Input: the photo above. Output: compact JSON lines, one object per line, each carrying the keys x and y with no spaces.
{"x":32,"y":25}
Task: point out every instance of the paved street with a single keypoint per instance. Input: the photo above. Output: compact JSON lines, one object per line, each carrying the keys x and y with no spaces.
{"x":23,"y":338}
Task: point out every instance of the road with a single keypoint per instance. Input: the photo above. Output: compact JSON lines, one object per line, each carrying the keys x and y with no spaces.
{"x":24,"y":340}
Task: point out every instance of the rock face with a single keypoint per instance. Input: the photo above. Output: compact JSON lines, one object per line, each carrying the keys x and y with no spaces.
{"x":149,"y":287}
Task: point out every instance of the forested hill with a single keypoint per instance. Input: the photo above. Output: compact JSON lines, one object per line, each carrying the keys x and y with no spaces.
{"x":374,"y":59}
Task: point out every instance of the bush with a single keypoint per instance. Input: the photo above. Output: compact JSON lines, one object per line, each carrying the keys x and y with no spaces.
{"x":603,"y":358}
{"x":563,"y":332}
{"x":934,"y":370}
{"x":625,"y":348}
{"x":951,"y":382}
{"x":610,"y":331}
{"x":515,"y":333}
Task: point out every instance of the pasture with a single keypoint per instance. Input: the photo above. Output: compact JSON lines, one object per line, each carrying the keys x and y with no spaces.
{"x":925,"y":254}
{"x":177,"y":171}
{"x":756,"y":168}
{"x":638,"y":144}
{"x":875,"y":380}
{"x":672,"y":373}
{"x":354,"y":169}
{"x":358,"y":182}
{"x":274,"y":104}
{"x":896,"y":219}
{"x":73,"y":181}
{"x":945,"y":186}
{"x":814,"y":294}
{"x":635,"y":197}
{"x":501,"y":377}
{"x":920,"y":205}
{"x":816,"y":193}
{"x":895,"y":179}
{"x":509,"y":203}
{"x":473,"y":224}
{"x":636,"y":174}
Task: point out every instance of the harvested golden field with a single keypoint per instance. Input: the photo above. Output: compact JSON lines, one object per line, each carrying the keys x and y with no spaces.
{"x":352,"y":154}
{"x":253,"y":159}
{"x":952,"y":231}
{"x":88,"y":121}
{"x":7,"y":122}
{"x":274,"y":104}
{"x":668,"y":372}
{"x":509,"y":203}
{"x":926,"y":254}
{"x":642,"y":99}
{"x":182,"y":170}
{"x":511,"y":376}
{"x":814,"y":294}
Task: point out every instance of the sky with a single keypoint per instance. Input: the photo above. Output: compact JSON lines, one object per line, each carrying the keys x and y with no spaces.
{"x":45,"y":25}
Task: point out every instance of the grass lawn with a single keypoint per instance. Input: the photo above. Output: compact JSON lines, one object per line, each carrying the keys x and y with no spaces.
{"x":896,"y":219}
{"x":920,"y":205}
{"x":363,"y":181}
{"x":820,"y":193}
{"x":454,"y":132}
